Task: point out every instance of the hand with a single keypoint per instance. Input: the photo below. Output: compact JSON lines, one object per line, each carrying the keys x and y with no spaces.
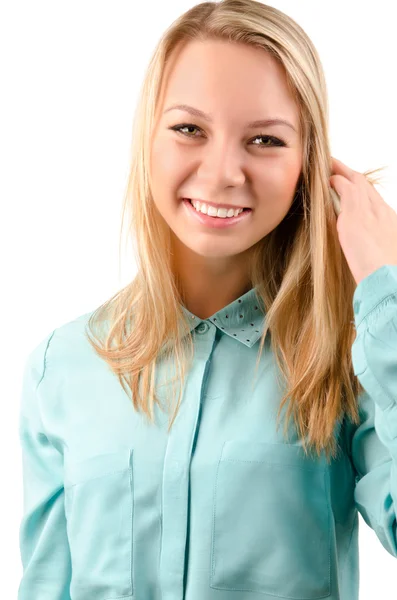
{"x":366,"y":224}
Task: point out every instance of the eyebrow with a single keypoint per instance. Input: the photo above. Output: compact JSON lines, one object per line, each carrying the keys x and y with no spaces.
{"x":253,"y":124}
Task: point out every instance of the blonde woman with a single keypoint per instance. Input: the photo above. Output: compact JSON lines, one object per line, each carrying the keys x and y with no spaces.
{"x":266,"y":294}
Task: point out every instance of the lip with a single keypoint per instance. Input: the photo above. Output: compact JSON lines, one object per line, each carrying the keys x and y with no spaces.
{"x":215,"y":222}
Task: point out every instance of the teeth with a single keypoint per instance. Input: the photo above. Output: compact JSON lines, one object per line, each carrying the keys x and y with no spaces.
{"x":213,"y":212}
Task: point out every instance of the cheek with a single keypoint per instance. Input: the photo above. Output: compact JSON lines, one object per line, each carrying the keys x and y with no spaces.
{"x":162,"y":169}
{"x":166,"y":159}
{"x":277,"y":195}
{"x":156,"y":157}
{"x":164,"y":176}
{"x":280,"y":183}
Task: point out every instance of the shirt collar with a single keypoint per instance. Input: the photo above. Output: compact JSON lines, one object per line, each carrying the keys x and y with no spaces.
{"x":243,"y":319}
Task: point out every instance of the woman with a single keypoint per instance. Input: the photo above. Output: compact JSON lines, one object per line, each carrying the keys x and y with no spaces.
{"x":230,"y":201}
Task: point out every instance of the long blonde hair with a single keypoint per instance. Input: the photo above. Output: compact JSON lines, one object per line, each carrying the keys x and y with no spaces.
{"x":299,"y":269}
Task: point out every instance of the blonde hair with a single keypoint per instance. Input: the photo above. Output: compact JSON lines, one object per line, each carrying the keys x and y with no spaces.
{"x":298,"y":269}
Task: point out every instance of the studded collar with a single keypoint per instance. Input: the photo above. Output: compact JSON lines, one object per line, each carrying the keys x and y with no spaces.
{"x":243,"y":319}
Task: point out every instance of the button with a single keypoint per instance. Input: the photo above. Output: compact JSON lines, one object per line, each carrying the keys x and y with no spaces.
{"x":203,"y":327}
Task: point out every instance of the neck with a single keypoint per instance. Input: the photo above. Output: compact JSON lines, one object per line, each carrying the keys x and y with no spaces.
{"x":208,"y":284}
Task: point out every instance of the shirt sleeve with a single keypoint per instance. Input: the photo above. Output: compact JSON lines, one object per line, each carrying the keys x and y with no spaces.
{"x":43,"y":538}
{"x":374,"y":441}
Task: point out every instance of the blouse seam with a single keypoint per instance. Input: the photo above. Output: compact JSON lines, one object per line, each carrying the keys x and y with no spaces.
{"x":45,"y":359}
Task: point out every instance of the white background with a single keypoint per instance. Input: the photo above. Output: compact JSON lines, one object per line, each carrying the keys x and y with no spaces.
{"x":70,"y":73}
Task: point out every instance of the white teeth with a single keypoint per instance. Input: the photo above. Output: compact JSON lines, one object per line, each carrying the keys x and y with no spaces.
{"x":223,"y":213}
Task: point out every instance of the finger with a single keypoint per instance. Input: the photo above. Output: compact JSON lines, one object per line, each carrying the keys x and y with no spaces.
{"x":342,"y":169}
{"x":357,"y":178}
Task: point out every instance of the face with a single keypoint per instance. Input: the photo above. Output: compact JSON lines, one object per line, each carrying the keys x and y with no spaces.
{"x":224,"y":160}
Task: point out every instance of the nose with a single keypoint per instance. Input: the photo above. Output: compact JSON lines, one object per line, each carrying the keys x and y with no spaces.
{"x":221,"y":165}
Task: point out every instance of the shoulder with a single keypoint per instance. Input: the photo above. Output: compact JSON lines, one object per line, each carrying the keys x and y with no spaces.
{"x":64,"y":347}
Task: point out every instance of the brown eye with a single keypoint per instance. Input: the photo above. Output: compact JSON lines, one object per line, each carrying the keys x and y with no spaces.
{"x":274,"y":140}
{"x":178,"y":129}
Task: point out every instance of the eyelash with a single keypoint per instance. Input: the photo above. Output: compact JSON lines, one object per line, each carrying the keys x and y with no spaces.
{"x":278,"y":142}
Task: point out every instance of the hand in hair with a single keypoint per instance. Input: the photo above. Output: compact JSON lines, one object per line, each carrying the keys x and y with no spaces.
{"x":366,"y":224}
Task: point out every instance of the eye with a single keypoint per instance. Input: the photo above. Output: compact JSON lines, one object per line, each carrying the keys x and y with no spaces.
{"x":274,"y":140}
{"x":178,"y":128}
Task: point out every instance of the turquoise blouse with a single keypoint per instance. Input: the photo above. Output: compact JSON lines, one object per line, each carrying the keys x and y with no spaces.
{"x":222,"y":507}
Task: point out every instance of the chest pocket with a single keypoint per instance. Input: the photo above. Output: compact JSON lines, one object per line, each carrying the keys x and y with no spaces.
{"x":271,"y":529}
{"x":99,"y":512}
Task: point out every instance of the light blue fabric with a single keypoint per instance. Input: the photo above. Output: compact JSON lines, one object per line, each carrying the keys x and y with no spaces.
{"x":222,"y":507}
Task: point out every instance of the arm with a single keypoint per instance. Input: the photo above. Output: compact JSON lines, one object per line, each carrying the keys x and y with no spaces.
{"x":374,"y":441}
{"x":43,"y":539}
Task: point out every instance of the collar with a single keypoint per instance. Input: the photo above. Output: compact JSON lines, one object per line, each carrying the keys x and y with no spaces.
{"x":243,"y":319}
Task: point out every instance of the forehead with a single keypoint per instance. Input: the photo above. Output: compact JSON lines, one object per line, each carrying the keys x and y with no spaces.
{"x":217,"y":75}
